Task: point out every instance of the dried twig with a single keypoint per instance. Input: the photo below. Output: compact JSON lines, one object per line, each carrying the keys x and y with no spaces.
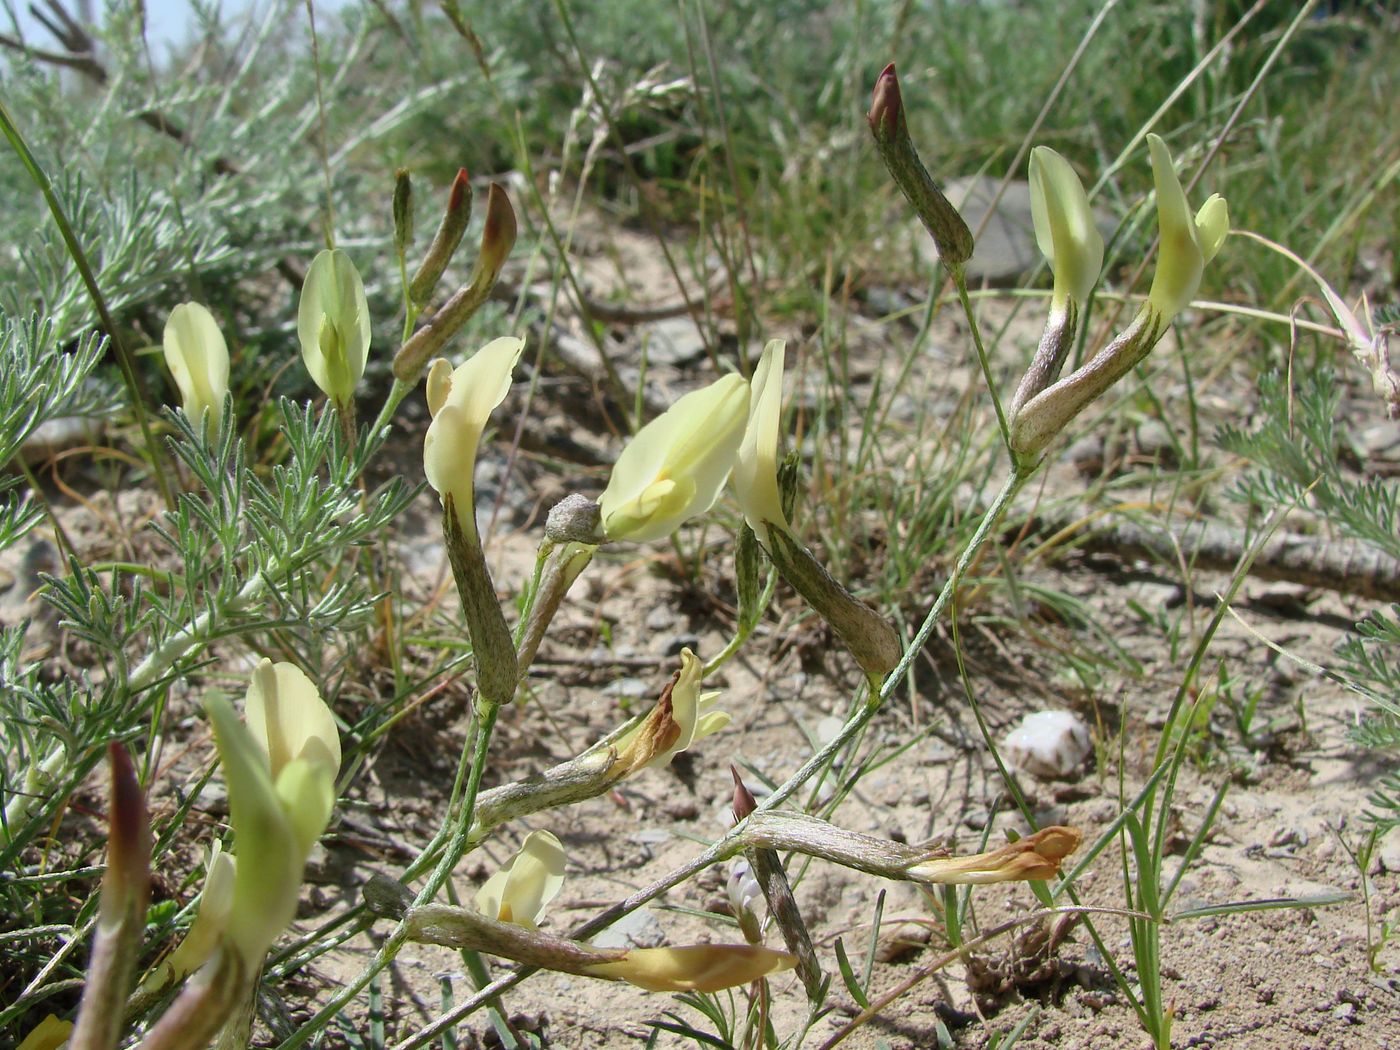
{"x":1343,"y":565}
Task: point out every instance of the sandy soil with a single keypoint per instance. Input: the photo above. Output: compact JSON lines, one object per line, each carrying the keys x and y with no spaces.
{"x":1315,"y":978}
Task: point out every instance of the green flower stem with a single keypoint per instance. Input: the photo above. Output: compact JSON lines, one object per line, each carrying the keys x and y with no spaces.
{"x":744,"y":631}
{"x":733,"y":842}
{"x":456,"y":847}
{"x":397,"y":393}
{"x":960,"y":282}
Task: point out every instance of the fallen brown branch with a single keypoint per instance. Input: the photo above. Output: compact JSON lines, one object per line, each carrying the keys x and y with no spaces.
{"x":1343,"y":565}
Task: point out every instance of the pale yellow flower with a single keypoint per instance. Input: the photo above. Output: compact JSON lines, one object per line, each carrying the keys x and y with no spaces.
{"x":333,"y":325}
{"x":676,"y":465}
{"x":755,"y":477}
{"x":197,"y":356}
{"x":521,"y":891}
{"x":1186,"y":244}
{"x":280,"y":770}
{"x":1064,"y":227}
{"x":461,"y":400}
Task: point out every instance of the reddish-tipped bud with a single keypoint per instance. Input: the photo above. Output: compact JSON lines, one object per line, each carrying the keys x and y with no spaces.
{"x":886,"y":104}
{"x":497,"y":240}
{"x":126,"y":890}
{"x":445,"y":241}
{"x":886,"y":117}
{"x":497,"y":237}
{"x":744,"y":802}
{"x":129,"y":845}
{"x":459,"y":195}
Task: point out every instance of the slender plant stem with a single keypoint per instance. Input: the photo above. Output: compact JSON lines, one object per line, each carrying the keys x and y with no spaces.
{"x":744,"y":631}
{"x":456,"y":847}
{"x":960,"y":282}
{"x":732,"y":843}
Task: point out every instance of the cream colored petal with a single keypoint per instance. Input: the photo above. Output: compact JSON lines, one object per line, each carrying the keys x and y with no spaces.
{"x":333,"y":324}
{"x":48,"y":1034}
{"x":756,"y":467}
{"x":1064,"y":225}
{"x":197,"y":356}
{"x":685,"y":700}
{"x":268,"y":876}
{"x":211,"y":919}
{"x":1212,"y":226}
{"x":438,"y":384}
{"x":449,"y":458}
{"x":492,"y":894}
{"x":1179,"y":258}
{"x":482,"y":382}
{"x":287,"y":716}
{"x":693,"y":445}
{"x":710,"y":722}
{"x":521,"y":891}
{"x":695,"y":967}
{"x":306,"y":789}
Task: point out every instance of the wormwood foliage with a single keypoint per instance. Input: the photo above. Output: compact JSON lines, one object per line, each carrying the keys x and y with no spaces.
{"x":270,"y":574}
{"x":39,"y":382}
{"x":1298,"y":450}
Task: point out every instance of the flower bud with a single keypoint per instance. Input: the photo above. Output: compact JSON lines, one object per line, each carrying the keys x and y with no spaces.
{"x":1185,"y":244}
{"x":449,"y":235}
{"x":197,"y":356}
{"x":521,"y":891}
{"x":121,"y":917}
{"x":497,"y":240}
{"x":333,"y":325}
{"x":744,"y":803}
{"x":1064,"y":227}
{"x":574,"y":519}
{"x":886,"y":118}
{"x":676,"y":465}
{"x":403,"y":212}
{"x":744,"y":892}
{"x":1070,"y":241}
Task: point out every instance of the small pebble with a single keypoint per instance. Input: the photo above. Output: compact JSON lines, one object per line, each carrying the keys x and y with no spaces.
{"x":1048,"y":744}
{"x":1087,"y":455}
{"x":1154,"y":442}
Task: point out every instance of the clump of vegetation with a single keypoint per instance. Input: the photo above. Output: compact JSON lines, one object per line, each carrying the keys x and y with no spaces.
{"x":245,"y":535}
